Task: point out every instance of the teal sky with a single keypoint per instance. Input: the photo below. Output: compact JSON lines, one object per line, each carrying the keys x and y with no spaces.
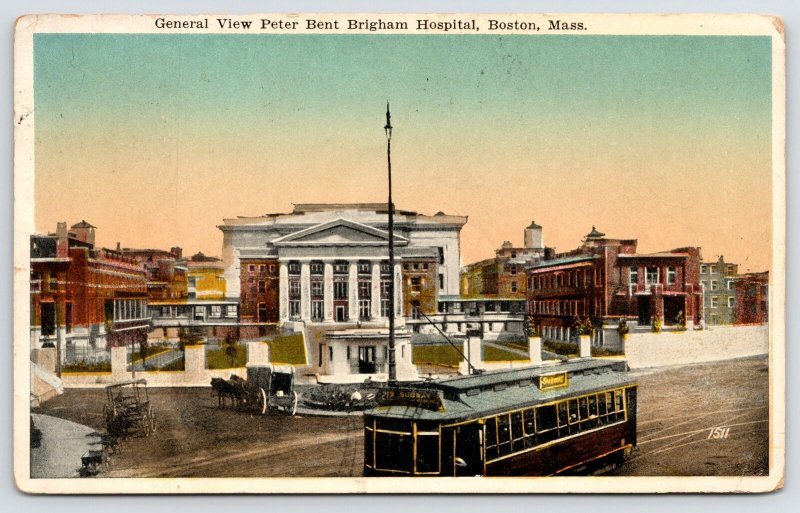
{"x":502,"y":124}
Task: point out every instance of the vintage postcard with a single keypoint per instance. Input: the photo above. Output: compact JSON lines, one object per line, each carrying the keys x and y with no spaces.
{"x":417,"y":253}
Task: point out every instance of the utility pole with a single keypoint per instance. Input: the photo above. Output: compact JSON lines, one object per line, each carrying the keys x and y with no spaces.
{"x":392,"y":361}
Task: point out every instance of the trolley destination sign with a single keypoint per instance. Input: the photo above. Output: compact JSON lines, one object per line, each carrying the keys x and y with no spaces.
{"x":418,"y":397}
{"x":553,"y":381}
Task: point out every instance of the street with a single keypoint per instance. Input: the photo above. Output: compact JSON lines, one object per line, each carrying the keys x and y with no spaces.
{"x":704,"y":419}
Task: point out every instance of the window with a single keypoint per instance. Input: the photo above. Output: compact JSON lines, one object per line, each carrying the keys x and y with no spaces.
{"x":294,"y":309}
{"x":670,"y":275}
{"x":714,"y":285}
{"x":251,"y":268}
{"x":317,"y":268}
{"x":364,"y":306}
{"x":513,"y":269}
{"x":441,"y":255}
{"x":385,"y":284}
{"x":714,"y":302}
{"x":316,"y":288}
{"x":216,"y":311}
{"x":232,"y":311}
{"x":651,"y":276}
{"x":729,"y":284}
{"x":340,"y":267}
{"x":513,"y":286}
{"x":633,"y":277}
{"x":416,"y":284}
{"x":441,"y":281}
{"x":262,"y":268}
{"x":340,"y":289}
{"x":364,"y":289}
{"x":199,"y":312}
{"x":317,"y":310}
{"x":294,"y":288}
{"x":294,"y":268}
{"x":730,"y":269}
{"x":385,"y":308}
{"x":262,"y":286}
{"x":364,"y":267}
{"x":704,"y":269}
{"x":731,"y":302}
{"x":191,"y":281}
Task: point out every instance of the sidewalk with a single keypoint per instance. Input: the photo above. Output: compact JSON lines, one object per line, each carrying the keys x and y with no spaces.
{"x":63,"y":444}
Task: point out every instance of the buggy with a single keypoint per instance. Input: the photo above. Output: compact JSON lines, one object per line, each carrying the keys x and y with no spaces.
{"x":270,"y":388}
{"x":128,"y":408}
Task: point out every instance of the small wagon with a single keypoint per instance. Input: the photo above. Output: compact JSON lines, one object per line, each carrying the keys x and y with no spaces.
{"x":271,"y":387}
{"x":128,"y":408}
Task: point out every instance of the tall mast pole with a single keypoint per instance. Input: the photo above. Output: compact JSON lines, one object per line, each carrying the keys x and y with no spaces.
{"x":392,"y":361}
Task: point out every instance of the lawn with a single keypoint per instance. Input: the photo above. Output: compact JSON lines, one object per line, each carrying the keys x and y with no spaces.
{"x":175,"y":365}
{"x":495,"y":354}
{"x":288,"y":349}
{"x":436,"y":354}
{"x":218,"y":359}
{"x":87,"y":367}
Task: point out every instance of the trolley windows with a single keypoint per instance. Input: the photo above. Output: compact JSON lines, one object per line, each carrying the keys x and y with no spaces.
{"x":516,"y":431}
{"x":402,"y":447}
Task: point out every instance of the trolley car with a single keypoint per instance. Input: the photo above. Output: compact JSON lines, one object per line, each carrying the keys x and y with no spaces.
{"x":564,"y":419}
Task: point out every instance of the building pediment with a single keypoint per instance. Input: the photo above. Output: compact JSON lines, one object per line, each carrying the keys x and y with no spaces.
{"x":339,"y":232}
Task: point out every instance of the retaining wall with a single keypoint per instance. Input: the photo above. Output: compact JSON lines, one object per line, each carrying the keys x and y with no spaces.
{"x":644,"y":350}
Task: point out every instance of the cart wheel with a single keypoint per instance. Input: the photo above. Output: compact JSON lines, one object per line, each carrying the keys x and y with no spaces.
{"x":262,"y":400}
{"x":145,"y":420}
{"x":152,"y":419}
{"x":293,"y":408}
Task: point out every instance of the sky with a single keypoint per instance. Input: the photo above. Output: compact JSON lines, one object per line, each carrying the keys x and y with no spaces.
{"x":156,"y":138}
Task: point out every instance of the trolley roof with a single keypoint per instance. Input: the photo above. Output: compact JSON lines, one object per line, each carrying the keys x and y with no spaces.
{"x":476,"y":396}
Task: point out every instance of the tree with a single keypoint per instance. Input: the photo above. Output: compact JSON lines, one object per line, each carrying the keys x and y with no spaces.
{"x":231,"y":346}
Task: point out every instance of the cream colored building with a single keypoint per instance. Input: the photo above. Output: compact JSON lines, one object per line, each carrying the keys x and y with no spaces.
{"x":333,"y":273}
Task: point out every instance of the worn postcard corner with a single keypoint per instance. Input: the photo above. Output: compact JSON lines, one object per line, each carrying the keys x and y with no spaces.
{"x":399,"y":253}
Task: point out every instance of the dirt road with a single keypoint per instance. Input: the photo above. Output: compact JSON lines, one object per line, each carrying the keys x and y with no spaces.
{"x":679,"y":410}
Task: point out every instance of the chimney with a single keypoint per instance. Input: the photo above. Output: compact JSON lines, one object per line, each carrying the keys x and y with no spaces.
{"x":177,"y":252}
{"x":62,"y":242}
{"x":119,"y":246}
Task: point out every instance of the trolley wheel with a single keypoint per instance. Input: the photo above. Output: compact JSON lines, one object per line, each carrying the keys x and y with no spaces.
{"x":145,"y":420}
{"x":293,"y":408}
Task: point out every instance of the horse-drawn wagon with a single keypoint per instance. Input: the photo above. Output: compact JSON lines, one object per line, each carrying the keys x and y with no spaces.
{"x":128,"y":408}
{"x":267,"y":388}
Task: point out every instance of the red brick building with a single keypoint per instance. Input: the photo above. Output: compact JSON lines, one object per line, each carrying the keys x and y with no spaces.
{"x":504,"y":275}
{"x":752,"y":298}
{"x":83,"y":298}
{"x":420,"y":290}
{"x":166,"y":276}
{"x":606,"y":280}
{"x":258,"y":301}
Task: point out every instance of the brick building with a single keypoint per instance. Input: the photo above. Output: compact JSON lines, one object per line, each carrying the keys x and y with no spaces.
{"x":84,"y":298}
{"x":719,"y":296}
{"x":166,"y":274}
{"x":504,"y":275}
{"x":606,"y":280}
{"x":752,"y":298}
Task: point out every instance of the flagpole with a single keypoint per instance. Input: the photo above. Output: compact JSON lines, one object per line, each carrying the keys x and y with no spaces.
{"x":392,"y":361}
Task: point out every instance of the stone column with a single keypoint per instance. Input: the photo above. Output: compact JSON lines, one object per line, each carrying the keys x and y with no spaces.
{"x":535,"y":350}
{"x":585,"y":345}
{"x":327,"y":292}
{"x":257,"y":353}
{"x":398,"y":291}
{"x":283,"y":291}
{"x":305,"y":291}
{"x":352,"y":291}
{"x":376,"y":290}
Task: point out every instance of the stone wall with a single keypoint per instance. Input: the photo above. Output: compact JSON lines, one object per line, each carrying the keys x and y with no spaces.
{"x":693,"y":346}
